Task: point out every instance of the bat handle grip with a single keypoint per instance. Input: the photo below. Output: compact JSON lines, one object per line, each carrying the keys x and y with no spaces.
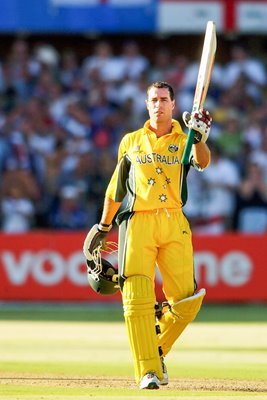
{"x":188,"y":147}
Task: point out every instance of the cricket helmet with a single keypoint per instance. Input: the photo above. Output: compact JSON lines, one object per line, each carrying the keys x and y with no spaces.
{"x":101,"y":274}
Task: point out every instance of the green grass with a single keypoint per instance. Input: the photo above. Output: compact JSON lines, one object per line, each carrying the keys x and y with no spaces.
{"x":52,"y":352}
{"x":57,"y":312}
{"x":113,"y":312}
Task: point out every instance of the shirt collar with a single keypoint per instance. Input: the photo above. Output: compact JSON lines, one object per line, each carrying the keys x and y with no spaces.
{"x":176,"y":128}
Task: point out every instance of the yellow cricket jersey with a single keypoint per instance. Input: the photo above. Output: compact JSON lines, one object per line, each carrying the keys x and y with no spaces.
{"x":149,"y":170}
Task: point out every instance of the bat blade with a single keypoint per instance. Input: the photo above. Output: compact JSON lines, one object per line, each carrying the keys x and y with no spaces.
{"x":203,"y":80}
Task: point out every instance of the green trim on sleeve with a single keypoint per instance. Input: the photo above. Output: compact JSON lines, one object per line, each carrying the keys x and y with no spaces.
{"x":123,"y":175}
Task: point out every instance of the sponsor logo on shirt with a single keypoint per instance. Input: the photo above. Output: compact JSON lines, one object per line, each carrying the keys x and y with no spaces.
{"x":173,"y":148}
{"x":136,"y":149}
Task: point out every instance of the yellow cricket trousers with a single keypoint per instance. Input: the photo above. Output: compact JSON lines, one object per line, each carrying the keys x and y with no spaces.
{"x":160,"y":237}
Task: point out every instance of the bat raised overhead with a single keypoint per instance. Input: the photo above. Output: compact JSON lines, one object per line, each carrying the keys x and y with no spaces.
{"x":203,"y":80}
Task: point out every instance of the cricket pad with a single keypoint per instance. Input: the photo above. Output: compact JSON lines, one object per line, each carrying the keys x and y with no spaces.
{"x":139,"y":312}
{"x":175,"y":319}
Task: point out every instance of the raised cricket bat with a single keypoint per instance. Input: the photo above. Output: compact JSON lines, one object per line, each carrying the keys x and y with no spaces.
{"x":203,"y":80}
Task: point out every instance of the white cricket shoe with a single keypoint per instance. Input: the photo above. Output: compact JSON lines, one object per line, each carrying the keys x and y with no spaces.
{"x":149,"y":381}
{"x":165,"y":379}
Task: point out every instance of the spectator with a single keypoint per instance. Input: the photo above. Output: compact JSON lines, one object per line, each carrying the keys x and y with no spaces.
{"x":194,"y":205}
{"x":230,"y":139}
{"x":69,"y":212}
{"x":69,"y":69}
{"x":19,"y":70}
{"x":253,"y":132}
{"x":177,"y":75}
{"x":259,"y":155}
{"x":242,"y":64}
{"x":251,"y":203}
{"x":20,"y":197}
{"x":162,"y":65}
{"x":103,"y":65}
{"x":17,"y":211}
{"x":134,"y":64}
{"x":220,"y":181}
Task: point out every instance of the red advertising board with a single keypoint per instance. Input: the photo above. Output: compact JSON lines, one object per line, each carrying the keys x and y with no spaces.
{"x":232,"y":267}
{"x":50,"y":266}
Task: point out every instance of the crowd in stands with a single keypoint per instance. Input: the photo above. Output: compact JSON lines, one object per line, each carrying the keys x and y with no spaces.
{"x":62,"y":118}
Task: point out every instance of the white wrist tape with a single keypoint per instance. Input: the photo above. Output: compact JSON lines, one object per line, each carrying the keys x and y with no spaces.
{"x":104,"y":227}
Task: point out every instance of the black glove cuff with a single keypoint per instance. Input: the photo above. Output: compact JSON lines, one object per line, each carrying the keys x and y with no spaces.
{"x":197,"y":137}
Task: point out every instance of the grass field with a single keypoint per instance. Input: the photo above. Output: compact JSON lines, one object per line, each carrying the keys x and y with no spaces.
{"x":81,"y":352}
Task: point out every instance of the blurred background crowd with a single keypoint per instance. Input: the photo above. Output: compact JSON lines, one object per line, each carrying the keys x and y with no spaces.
{"x":62,"y":116}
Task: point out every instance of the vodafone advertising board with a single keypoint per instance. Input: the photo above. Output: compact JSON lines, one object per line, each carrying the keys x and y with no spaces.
{"x":50,"y":266}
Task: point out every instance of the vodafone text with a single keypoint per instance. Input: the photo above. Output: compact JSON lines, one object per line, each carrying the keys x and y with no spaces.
{"x":49,"y":268}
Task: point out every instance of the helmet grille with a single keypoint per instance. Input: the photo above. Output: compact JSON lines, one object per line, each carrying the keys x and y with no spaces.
{"x":104,"y":249}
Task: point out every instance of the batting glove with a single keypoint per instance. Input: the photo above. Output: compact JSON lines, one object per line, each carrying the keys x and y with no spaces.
{"x":200,"y":122}
{"x":95,"y":237}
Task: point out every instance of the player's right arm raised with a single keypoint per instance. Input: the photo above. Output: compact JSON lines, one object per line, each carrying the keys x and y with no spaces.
{"x":200,"y":124}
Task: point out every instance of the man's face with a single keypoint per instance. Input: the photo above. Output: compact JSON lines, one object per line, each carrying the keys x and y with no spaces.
{"x":159,"y":105}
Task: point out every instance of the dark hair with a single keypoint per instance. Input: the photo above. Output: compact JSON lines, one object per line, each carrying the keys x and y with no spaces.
{"x":162,"y":85}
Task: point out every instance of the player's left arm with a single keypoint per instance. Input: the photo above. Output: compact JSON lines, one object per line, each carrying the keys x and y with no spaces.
{"x":98,"y":233}
{"x":114,"y":196}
